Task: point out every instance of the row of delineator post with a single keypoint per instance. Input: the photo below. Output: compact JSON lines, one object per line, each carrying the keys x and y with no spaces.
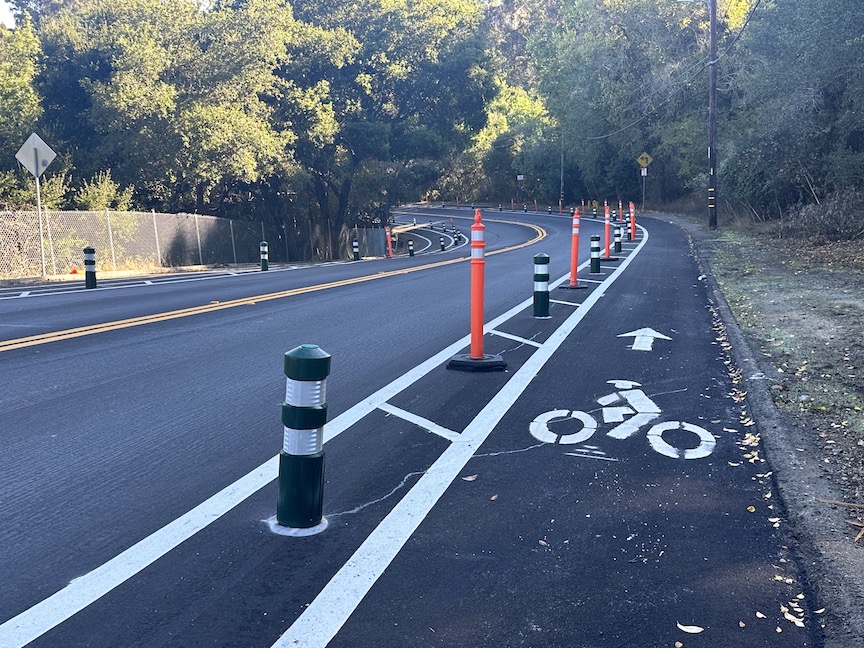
{"x":304,"y":413}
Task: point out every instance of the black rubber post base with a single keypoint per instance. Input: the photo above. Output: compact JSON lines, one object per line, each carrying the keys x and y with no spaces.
{"x":465,"y":362}
{"x":569,"y":287}
{"x":300,"y":500}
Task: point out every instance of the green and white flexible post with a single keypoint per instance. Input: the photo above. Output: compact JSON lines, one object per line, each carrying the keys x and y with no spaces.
{"x":265,"y":256}
{"x":300,"y":502}
{"x":595,"y":254}
{"x":541,"y":286}
{"x":355,"y":247}
{"x":410,"y":247}
{"x":617,"y":238}
{"x":441,"y":242}
{"x":89,"y":267}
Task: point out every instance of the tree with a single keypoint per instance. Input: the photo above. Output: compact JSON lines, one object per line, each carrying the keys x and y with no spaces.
{"x":413,"y":89}
{"x":19,"y":100}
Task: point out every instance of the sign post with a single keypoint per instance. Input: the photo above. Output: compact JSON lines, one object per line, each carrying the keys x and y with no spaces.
{"x":35,"y":156}
{"x":643,"y":161}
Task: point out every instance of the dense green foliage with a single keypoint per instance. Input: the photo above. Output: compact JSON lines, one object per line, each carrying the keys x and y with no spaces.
{"x":319,"y":115}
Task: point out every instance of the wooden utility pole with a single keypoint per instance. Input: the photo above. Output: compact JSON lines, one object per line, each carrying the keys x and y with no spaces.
{"x":712,"y":115}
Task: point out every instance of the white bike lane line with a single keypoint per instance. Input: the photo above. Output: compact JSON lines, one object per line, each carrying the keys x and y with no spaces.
{"x":331,"y":609}
{"x":83,"y":591}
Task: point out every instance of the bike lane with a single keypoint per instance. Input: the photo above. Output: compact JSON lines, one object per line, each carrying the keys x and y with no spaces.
{"x":659,"y":528}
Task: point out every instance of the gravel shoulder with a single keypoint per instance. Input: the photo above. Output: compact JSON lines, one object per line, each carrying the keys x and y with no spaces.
{"x":793,"y":312}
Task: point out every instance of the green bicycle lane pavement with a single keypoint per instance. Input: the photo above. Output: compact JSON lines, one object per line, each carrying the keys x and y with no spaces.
{"x":622,"y":500}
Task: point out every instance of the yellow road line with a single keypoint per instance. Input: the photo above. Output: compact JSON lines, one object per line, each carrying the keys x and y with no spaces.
{"x":68,"y":334}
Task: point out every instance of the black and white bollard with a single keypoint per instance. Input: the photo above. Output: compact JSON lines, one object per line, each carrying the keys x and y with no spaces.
{"x":617,"y":238}
{"x":595,"y":254}
{"x":541,"y":286}
{"x":549,"y":209}
{"x":265,"y":256}
{"x":410,"y":247}
{"x":89,"y":267}
{"x":355,"y":247}
{"x":300,"y":502}
{"x":443,"y":247}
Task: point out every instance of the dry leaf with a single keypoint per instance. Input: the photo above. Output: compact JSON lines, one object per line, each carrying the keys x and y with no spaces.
{"x":790,"y":617}
{"x":752,"y":509}
{"x":543,"y":542}
{"x":778,"y":629}
{"x":759,"y":615}
{"x":678,"y":644}
{"x":819,"y":611}
{"x":493,"y":498}
{"x":469,"y":478}
{"x":741,"y":624}
{"x":690,"y":629}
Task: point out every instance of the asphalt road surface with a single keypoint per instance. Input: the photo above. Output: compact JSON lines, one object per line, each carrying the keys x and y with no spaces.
{"x":607,"y":489}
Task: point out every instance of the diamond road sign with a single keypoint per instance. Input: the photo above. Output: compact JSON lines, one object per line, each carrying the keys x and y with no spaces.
{"x":35,"y":155}
{"x":644,"y":160}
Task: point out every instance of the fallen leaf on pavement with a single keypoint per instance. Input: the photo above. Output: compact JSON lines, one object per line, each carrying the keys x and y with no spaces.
{"x":469,"y":478}
{"x":691,"y":629}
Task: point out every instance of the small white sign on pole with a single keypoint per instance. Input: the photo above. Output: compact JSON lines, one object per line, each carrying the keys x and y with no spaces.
{"x":35,"y":155}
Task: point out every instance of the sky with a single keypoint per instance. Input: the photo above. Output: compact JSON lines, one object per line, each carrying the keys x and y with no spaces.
{"x":5,"y":15}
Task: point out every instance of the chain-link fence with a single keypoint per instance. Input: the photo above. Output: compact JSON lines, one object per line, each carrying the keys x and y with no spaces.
{"x":128,"y":241}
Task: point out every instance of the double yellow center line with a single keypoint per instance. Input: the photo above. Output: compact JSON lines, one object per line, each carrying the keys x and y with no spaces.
{"x":68,"y":334}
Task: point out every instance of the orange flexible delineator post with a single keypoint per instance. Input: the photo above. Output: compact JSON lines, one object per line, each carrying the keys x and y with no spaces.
{"x":478,"y":267}
{"x":632,"y":221}
{"x":574,"y":255}
{"x":476,"y":360}
{"x":607,"y":230}
{"x":389,"y":242}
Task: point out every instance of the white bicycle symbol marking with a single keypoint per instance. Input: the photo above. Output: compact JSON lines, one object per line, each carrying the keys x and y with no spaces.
{"x":641,"y":411}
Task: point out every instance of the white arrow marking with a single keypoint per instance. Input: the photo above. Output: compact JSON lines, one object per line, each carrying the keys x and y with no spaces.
{"x":644,"y":338}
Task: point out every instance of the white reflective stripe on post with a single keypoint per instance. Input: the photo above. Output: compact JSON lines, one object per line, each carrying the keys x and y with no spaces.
{"x":541,"y":268}
{"x":476,"y":236}
{"x":302,"y":442}
{"x":305,"y":393}
{"x":477,"y":253}
{"x":541,"y":286}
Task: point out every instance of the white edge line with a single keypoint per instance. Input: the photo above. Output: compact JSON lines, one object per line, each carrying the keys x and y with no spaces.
{"x":420,"y":422}
{"x":324,"y":617}
{"x":81,"y":592}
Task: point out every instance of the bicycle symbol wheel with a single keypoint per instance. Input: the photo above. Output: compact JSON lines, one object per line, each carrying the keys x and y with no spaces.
{"x":705,"y":447}
{"x":540,"y":427}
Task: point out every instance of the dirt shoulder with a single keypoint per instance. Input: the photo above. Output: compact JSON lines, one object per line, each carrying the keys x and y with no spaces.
{"x":793,"y":312}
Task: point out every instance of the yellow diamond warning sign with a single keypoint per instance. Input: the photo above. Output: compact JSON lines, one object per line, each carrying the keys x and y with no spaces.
{"x":644,"y":160}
